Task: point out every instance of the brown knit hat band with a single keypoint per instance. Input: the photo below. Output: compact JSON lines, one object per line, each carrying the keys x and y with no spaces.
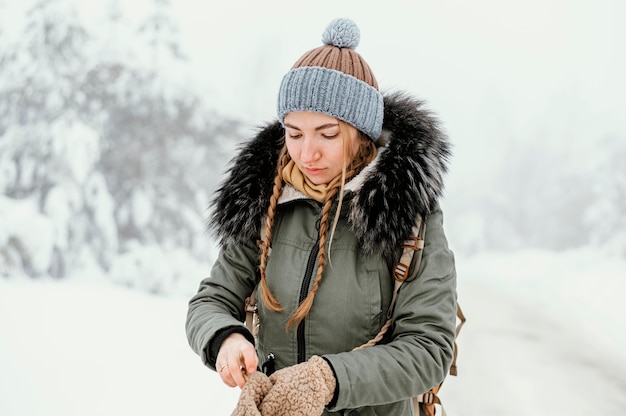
{"x":344,"y":60}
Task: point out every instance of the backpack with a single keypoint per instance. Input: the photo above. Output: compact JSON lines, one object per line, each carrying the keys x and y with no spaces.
{"x":404,"y":270}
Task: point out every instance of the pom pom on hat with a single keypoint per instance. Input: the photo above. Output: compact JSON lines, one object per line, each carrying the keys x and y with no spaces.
{"x":342,"y":33}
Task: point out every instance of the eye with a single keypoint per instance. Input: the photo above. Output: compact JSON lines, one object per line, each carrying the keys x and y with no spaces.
{"x":294,"y":135}
{"x":330,"y":135}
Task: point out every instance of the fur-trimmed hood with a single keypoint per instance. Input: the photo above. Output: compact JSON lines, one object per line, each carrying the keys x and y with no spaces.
{"x":406,"y":180}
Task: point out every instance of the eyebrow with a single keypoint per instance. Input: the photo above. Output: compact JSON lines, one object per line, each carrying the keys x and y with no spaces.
{"x":318,"y":128}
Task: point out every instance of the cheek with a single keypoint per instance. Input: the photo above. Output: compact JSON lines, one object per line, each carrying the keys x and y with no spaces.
{"x":292,"y":149}
{"x":335,"y":153}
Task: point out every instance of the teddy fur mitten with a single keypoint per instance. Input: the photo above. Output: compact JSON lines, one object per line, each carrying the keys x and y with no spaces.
{"x":256,"y":387}
{"x":300,"y":390}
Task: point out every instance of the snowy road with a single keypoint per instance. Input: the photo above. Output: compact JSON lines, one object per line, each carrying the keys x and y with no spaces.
{"x":72,"y":349}
{"x":517,"y":359}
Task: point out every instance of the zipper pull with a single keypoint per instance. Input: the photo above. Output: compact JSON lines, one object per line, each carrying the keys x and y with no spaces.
{"x":269,"y":366}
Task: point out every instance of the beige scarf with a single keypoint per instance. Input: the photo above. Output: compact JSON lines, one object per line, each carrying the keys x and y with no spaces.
{"x":294,"y":176}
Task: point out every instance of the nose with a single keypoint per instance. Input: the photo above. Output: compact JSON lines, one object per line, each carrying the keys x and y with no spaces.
{"x":309,"y":151}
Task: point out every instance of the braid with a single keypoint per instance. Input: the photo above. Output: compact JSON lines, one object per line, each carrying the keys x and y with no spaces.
{"x":307,"y":303}
{"x":266,"y":295}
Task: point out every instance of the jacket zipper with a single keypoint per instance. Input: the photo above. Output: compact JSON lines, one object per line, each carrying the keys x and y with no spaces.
{"x":304,"y":291}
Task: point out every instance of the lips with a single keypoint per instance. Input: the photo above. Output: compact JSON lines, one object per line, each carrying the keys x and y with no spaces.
{"x":313,"y":171}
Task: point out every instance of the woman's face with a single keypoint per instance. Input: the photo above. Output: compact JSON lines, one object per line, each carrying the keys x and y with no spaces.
{"x":314,"y":142}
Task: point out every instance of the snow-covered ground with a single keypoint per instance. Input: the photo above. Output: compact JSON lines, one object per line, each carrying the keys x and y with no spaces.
{"x":545,"y":336}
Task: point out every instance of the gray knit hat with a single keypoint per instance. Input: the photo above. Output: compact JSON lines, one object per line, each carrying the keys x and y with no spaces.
{"x":335,"y":80}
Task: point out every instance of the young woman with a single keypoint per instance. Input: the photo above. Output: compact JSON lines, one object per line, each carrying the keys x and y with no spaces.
{"x":312,"y":216}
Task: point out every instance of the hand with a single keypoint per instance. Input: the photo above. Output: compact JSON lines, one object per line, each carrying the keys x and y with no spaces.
{"x":257,"y":386}
{"x":235,"y":359}
{"x":300,"y":390}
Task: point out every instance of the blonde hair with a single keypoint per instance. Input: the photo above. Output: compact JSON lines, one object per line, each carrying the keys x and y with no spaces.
{"x":364,"y":155}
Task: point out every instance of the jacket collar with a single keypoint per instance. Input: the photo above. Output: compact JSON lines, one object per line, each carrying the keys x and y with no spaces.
{"x":405,"y":179}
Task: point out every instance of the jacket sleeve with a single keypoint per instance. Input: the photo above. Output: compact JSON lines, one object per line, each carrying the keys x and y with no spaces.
{"x":420,"y":351}
{"x":218,"y":307}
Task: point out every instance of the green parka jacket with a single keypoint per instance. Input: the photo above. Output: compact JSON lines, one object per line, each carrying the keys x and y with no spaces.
{"x":354,"y":295}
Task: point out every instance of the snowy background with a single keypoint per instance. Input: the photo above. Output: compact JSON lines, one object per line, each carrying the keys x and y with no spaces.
{"x":117,"y":120}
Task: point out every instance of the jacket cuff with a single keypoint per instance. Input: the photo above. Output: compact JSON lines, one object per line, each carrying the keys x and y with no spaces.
{"x":213,"y":348}
{"x":333,"y":401}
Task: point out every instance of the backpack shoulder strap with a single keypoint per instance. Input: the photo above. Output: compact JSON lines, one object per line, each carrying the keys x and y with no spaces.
{"x":407,"y":267}
{"x":461,"y":317}
{"x":252,"y":317}
{"x":250,"y":306}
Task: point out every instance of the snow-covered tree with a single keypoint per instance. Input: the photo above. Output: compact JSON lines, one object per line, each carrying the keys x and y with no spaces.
{"x":109,"y":159}
{"x":49,"y":150}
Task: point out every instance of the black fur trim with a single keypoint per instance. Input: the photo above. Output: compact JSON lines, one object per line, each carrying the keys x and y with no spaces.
{"x":407,"y":180}
{"x":243,"y":198}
